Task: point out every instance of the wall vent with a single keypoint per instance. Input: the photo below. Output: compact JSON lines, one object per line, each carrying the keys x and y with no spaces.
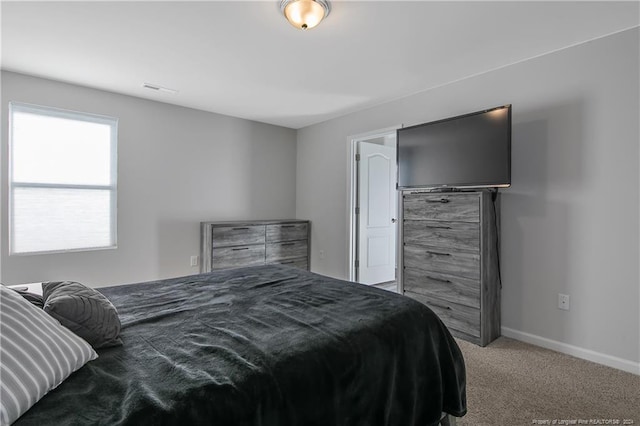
{"x":159,"y":88}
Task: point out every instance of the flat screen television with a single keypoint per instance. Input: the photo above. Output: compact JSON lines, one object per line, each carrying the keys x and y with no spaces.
{"x":468,"y":151}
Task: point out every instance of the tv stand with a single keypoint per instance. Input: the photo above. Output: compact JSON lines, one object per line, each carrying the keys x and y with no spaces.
{"x":449,"y":259}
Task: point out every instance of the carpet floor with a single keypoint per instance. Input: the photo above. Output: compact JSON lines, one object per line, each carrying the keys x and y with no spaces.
{"x":512,"y":383}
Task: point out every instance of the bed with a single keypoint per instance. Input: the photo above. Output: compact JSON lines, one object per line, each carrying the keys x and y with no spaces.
{"x":262,"y":346}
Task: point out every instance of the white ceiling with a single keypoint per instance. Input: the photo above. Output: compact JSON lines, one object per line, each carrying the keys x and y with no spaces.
{"x":241,"y":58}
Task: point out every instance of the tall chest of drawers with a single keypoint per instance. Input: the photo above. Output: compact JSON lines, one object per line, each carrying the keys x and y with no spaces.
{"x":235,"y":244}
{"x":450,"y":260}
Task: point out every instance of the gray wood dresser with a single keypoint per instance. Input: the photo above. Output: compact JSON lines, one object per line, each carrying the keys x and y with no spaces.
{"x":450,"y":260}
{"x":256,"y":242}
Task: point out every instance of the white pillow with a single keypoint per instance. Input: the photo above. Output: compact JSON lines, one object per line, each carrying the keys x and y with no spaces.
{"x":36,"y":354}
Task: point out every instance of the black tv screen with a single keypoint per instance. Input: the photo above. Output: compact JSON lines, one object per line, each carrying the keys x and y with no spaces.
{"x":468,"y":151}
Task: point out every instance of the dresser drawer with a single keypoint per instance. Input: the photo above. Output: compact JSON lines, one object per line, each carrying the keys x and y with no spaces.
{"x":286,"y":232}
{"x":452,"y":288}
{"x":237,"y":235}
{"x":286,"y":250}
{"x":232,"y":257}
{"x":455,"y":316}
{"x":443,"y":234}
{"x":301,"y":263}
{"x":452,"y":262}
{"x":450,"y":207}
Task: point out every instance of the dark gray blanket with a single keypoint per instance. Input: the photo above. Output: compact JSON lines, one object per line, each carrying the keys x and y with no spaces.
{"x":264,"y":346}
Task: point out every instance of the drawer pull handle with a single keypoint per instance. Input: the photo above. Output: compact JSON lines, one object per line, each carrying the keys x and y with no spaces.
{"x":438,"y":227}
{"x":238,"y":249}
{"x":438,"y":254}
{"x":442,"y":280}
{"x":441,"y":200}
{"x":448,"y":308}
{"x":240,"y":229}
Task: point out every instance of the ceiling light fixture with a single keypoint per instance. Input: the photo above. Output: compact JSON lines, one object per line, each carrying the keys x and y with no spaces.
{"x":305,"y":14}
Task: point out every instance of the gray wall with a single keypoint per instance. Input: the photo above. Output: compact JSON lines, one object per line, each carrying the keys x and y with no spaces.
{"x":570,"y":219}
{"x":176,"y":167}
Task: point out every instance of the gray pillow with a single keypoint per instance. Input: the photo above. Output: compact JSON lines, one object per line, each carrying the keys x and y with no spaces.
{"x":83,"y":310}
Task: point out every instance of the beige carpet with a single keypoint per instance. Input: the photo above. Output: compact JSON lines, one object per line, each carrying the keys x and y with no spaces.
{"x":514,"y":383}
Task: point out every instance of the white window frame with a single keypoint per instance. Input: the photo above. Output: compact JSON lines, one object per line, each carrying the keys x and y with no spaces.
{"x":112,"y":187}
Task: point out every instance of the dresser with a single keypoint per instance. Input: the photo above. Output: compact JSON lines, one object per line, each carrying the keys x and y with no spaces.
{"x":257,"y":242}
{"x":450,"y":259}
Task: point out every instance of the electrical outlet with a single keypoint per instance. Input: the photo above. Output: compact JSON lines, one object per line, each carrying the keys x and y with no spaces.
{"x":321,"y":254}
{"x":563,"y":301}
{"x":194,"y":260}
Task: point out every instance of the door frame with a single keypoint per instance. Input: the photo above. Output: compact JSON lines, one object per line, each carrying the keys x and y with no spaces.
{"x":352,"y":192}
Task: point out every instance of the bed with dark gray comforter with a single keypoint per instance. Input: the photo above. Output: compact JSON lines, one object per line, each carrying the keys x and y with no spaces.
{"x":264,"y":346}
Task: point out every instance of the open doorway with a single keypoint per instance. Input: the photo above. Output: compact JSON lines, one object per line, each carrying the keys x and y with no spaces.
{"x":373,"y":212}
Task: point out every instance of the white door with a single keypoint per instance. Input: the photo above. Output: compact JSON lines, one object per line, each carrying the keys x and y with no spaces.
{"x":377,"y":206}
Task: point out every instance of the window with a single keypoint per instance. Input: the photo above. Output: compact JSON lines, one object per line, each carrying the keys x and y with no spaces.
{"x":62,"y":180}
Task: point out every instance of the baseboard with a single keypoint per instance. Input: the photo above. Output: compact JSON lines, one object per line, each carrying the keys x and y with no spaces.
{"x":589,"y":355}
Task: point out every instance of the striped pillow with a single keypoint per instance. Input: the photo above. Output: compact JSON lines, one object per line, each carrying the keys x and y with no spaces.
{"x":36,"y":354}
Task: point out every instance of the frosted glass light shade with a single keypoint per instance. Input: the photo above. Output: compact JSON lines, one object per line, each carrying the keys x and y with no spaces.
{"x":304,"y":14}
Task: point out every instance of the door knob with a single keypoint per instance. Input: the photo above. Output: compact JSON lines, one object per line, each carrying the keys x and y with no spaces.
{"x":393,"y":220}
